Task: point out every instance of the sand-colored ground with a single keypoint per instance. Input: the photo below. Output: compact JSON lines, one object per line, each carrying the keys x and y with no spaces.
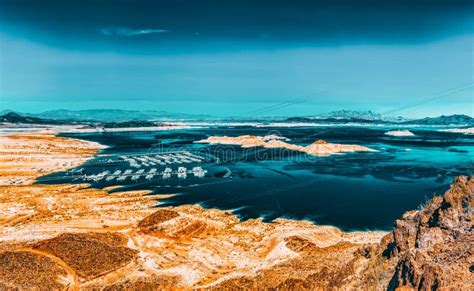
{"x":318,"y":148}
{"x":71,"y":236}
{"x":399,"y":133}
{"x":469,"y":130}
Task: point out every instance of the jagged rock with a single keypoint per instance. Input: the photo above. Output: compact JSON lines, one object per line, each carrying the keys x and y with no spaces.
{"x":320,"y":141}
{"x":433,"y":247}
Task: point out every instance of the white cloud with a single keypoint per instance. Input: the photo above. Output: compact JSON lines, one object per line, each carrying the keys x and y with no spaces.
{"x":125,"y":31}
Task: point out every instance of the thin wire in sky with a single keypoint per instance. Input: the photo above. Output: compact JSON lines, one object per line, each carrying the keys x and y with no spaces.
{"x":283,"y":106}
{"x":275,"y":106}
{"x":430,"y":99}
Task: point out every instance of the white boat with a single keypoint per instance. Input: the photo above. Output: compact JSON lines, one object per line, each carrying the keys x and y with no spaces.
{"x":151,"y":174}
{"x":199,"y":172}
{"x":193,"y":159}
{"x":175,"y":160}
{"x":100,"y":176}
{"x":182,"y":173}
{"x":167,"y":174}
{"x":133,"y":163}
{"x":122,"y":178}
{"x":183,"y":158}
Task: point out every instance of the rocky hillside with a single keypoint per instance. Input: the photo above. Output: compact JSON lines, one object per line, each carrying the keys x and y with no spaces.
{"x":457,"y":119}
{"x":12,"y":117}
{"x":15,"y":118}
{"x":433,"y":247}
{"x":428,"y":249}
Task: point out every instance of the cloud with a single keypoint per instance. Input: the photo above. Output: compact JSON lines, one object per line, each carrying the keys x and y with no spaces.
{"x":125,"y":31}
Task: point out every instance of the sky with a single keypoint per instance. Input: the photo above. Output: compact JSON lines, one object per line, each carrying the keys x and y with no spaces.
{"x":411,"y":58}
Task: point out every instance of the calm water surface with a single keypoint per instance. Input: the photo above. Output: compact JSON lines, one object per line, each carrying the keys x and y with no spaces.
{"x":355,"y":191}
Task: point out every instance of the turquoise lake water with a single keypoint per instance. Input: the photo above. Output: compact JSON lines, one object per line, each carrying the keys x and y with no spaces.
{"x":355,"y":191}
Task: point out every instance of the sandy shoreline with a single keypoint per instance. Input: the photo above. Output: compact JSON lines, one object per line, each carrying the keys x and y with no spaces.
{"x":195,"y":247}
{"x":319,"y":148}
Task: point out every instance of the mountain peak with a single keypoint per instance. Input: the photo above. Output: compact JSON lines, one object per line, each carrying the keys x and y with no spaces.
{"x":12,"y":114}
{"x":345,"y":113}
{"x":455,"y":119}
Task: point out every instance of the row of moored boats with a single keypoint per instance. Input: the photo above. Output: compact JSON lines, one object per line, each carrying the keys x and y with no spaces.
{"x":162,"y":159}
{"x":119,"y":176}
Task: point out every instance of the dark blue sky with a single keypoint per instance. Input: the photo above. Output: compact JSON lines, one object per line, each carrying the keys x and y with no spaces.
{"x":231,"y":57}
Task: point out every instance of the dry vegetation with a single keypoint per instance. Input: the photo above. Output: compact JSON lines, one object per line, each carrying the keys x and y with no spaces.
{"x":88,"y":255}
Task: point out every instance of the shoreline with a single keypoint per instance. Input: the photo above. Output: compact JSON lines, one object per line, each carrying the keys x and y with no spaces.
{"x":64,"y":208}
{"x":319,"y":148}
{"x":100,"y":147}
{"x":283,"y":217}
{"x":74,"y":237}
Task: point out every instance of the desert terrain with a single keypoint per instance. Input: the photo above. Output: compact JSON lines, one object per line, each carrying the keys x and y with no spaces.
{"x":319,"y":148}
{"x":74,"y":237}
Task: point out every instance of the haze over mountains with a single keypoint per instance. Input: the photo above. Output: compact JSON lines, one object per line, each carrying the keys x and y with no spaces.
{"x":113,"y":115}
{"x":443,"y":119}
{"x":456,"y":119}
{"x":367,"y":115}
{"x":12,"y":117}
{"x":131,"y":117}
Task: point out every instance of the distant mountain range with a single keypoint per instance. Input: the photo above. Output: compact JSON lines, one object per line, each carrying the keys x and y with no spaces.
{"x":334,"y":120}
{"x":12,"y":117}
{"x":458,"y":119}
{"x":129,"y":124}
{"x":347,"y":116}
{"x":362,"y":115}
{"x":130,"y":118}
{"x":116,"y":115}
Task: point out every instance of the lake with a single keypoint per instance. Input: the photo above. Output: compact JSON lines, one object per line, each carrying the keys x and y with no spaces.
{"x":354,"y":191}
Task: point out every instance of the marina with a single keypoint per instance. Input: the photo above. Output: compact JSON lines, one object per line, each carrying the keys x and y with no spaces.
{"x":271,"y":183}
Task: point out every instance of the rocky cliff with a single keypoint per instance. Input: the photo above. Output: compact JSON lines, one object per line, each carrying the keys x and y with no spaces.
{"x":428,"y":249}
{"x":434,"y":246}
